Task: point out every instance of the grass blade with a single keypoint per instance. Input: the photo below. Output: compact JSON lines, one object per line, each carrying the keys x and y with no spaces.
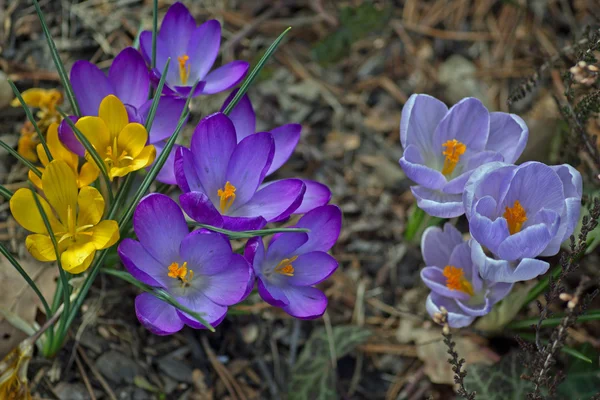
{"x":62,"y":73}
{"x":121,"y":196}
{"x":31,"y":119}
{"x":565,"y":349}
{"x":255,"y":71}
{"x":4,"y":192}
{"x":156,"y":98}
{"x":19,"y":157}
{"x":591,"y":315}
{"x":250,"y":234}
{"x":154,"y":32}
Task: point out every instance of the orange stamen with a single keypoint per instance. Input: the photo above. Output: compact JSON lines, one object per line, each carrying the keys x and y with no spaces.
{"x":455,"y":280}
{"x":454,"y":149}
{"x":184,"y":68}
{"x":181,"y":272}
{"x":285,"y":267}
{"x":515,"y":217}
{"x":227,"y":196}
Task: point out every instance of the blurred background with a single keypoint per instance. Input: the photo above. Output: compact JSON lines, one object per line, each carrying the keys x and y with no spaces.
{"x":344,"y":72}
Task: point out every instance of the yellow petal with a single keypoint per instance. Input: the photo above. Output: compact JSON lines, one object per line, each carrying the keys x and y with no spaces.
{"x":87,"y":174}
{"x":76,"y":255}
{"x":113,"y":112}
{"x":40,"y":247}
{"x":105,"y":234}
{"x":25,"y":212}
{"x":60,"y":188}
{"x":145,"y":158}
{"x":132,"y":139}
{"x":36,"y":180}
{"x":27,"y":146}
{"x":96,"y":131}
{"x":58,"y":151}
{"x":32,"y":97}
{"x":91,"y":206}
{"x":84,"y":266}
{"x":116,"y":172}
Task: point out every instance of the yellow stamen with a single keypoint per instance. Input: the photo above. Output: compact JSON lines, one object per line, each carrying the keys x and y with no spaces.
{"x":285,"y":267}
{"x":454,"y":149}
{"x":515,"y":217}
{"x":455,"y":280}
{"x":184,"y":68}
{"x":227,"y":196}
{"x":181,"y":272}
{"x":112,"y":155}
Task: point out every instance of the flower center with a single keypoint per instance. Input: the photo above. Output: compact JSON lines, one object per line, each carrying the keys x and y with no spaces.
{"x":113,"y":158}
{"x":285,"y":266}
{"x":181,"y":272}
{"x":455,"y":280}
{"x":515,"y":217}
{"x":184,"y":68}
{"x":454,"y":149}
{"x":227,"y":196}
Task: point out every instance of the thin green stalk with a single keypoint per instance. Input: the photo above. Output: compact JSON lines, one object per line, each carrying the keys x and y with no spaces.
{"x":62,"y":73}
{"x":159,"y":293}
{"x":154,"y":31}
{"x":20,"y":158}
{"x":591,"y":315}
{"x":31,"y":119}
{"x":156,"y":98}
{"x":250,"y":234}
{"x":121,"y":196}
{"x":4,"y":192}
{"x":254,"y":73}
{"x":415,"y":220}
{"x":89,"y":148}
{"x":565,"y":349}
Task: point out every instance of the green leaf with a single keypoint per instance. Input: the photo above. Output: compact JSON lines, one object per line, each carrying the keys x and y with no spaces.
{"x":590,"y":315}
{"x":156,"y":99}
{"x":249,"y":234}
{"x":582,"y":379}
{"x":505,"y":311}
{"x":154,"y":31}
{"x":501,"y":381}
{"x":4,"y":192}
{"x":313,"y":376}
{"x":20,"y":158}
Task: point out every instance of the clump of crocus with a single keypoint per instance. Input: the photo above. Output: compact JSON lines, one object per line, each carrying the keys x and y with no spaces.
{"x":120,"y":143}
{"x":74,"y":217}
{"x":221,"y":178}
{"x":198,"y":269}
{"x":442,"y":148}
{"x":454,"y":278}
{"x":85,"y":175}
{"x":128,"y":79}
{"x":518,"y":213}
{"x":294,"y":262}
{"x":193,"y":51}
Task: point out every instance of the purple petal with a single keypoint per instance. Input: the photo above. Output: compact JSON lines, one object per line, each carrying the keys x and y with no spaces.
{"x":284,"y":246}
{"x":248,"y":165}
{"x":166,"y":118}
{"x":129,"y":77}
{"x":305,"y":302}
{"x":133,"y":114}
{"x":456,"y":316}
{"x":206,"y":252}
{"x":160,"y":227}
{"x":498,"y":291}
{"x":243,"y":223}
{"x":476,"y":309}
{"x":184,"y":91}
{"x":146,"y":46}
{"x":316,"y":195}
{"x":141,"y":264}
{"x":167,"y":172}
{"x":437,"y":244}
{"x":199,"y":207}
{"x":508,"y":135}
{"x":225,"y":77}
{"x":90,"y":86}
{"x":212,"y":145}
{"x":490,"y":233}
{"x":185,"y":171}
{"x":274,"y":202}
{"x":209,"y":311}
{"x":532,"y":240}
{"x":286,"y":138}
{"x":157,"y":316}
{"x":437,"y":203}
{"x":536,"y":186}
{"x":468,"y":121}
{"x":203,"y":48}
{"x":176,"y":30}
{"x":162,"y":54}
{"x":325,"y":223}
{"x":68,"y":138}
{"x":254,"y":249}
{"x":312,"y":268}
{"x":457,"y":185}
{"x":242,"y":115}
{"x":492,"y":179}
{"x":434,"y":279}
{"x":420,"y":116}
{"x":414,"y":167}
{"x":271,"y":294}
{"x":229,"y":286}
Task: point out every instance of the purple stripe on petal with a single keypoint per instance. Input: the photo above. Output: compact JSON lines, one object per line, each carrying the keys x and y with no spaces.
{"x":199,"y":208}
{"x":225,"y":77}
{"x":305,"y":302}
{"x":203,"y":48}
{"x":242,"y":115}
{"x":286,"y":138}
{"x":68,"y":138}
{"x":437,"y":203}
{"x":157,"y":316}
{"x":325,"y":223}
{"x":312,"y":268}
{"x":90,"y":86}
{"x":129,"y":77}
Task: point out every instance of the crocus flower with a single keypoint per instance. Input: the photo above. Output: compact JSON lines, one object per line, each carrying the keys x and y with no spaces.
{"x":293,"y":263}
{"x":28,"y":141}
{"x":121,"y":144}
{"x":129,"y":80}
{"x":454,"y":278}
{"x":84,"y":175}
{"x":74,"y":216}
{"x":193,"y":51}
{"x":518,"y":213}
{"x":286,"y":138}
{"x":442,"y":148}
{"x":198,"y":269}
{"x":46,"y":101}
{"x":220,"y":178}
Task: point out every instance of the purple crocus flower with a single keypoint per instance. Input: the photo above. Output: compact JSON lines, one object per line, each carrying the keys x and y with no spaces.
{"x":442,"y":148}
{"x":193,"y":51}
{"x":129,"y":80}
{"x":286,"y":138}
{"x":198,"y":269}
{"x":454,"y":278}
{"x":294,"y":262}
{"x":519,"y":213}
{"x":220,"y":178}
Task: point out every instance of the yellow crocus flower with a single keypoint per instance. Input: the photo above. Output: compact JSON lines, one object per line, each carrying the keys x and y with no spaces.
{"x":13,"y":373}
{"x":122,"y":145}
{"x":44,"y":99}
{"x":75,"y":217}
{"x":85,"y":176}
{"x":28,"y":142}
